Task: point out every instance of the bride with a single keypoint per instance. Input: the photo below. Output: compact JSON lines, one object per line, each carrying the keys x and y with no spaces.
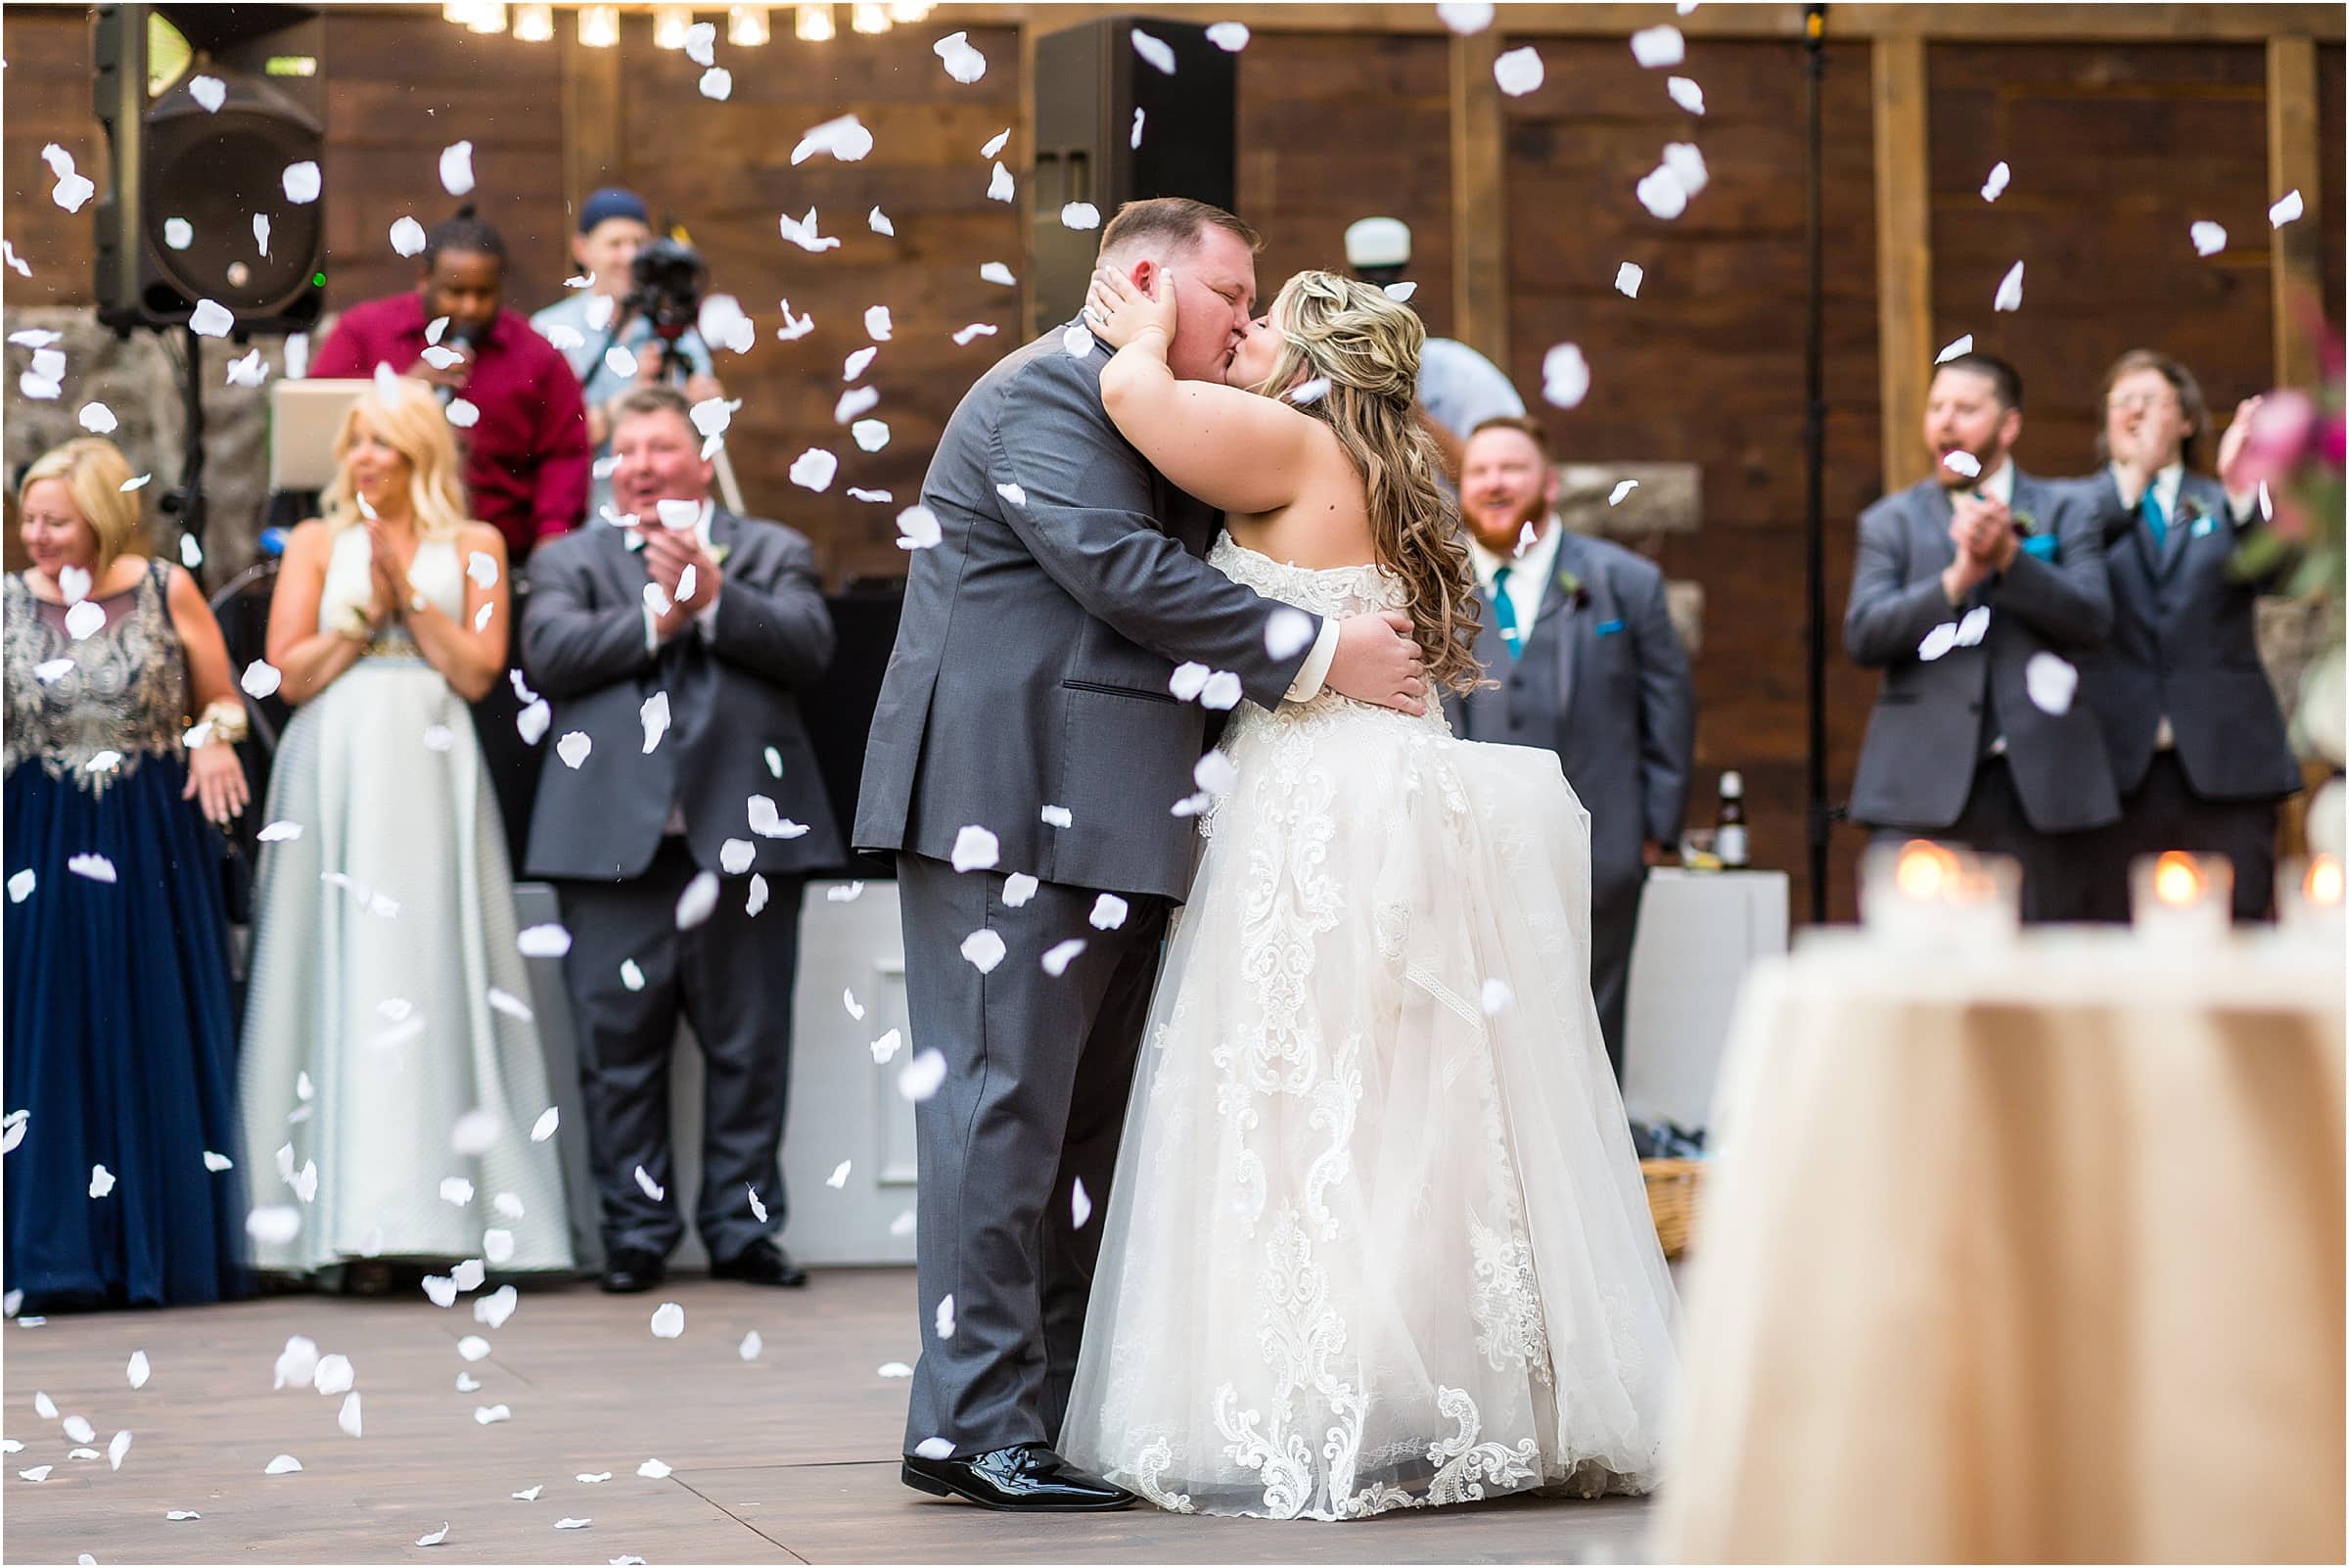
{"x":1377,"y":1237}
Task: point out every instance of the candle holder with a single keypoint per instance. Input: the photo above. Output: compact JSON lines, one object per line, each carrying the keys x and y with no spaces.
{"x":2179,"y":897}
{"x":2308,"y":900}
{"x":1940,"y":895}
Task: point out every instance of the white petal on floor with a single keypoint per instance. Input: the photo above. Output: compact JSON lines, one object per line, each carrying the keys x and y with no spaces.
{"x":668,"y":1320}
{"x":283,"y":1464}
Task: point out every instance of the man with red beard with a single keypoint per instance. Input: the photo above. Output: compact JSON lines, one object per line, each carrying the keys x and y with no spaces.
{"x":1579,"y":641}
{"x":1977,"y":591}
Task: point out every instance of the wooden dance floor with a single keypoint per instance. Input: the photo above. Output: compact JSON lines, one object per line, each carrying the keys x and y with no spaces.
{"x":790,"y":1457}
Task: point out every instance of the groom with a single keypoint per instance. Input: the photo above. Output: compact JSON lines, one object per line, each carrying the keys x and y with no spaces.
{"x":1026,"y":725}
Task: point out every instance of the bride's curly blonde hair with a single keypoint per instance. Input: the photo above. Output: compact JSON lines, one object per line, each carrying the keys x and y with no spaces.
{"x":1365,"y":349}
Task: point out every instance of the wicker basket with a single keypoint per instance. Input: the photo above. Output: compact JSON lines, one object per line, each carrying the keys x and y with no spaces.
{"x":1672,"y":1186}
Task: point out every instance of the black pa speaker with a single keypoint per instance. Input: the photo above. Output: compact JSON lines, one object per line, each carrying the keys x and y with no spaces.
{"x":194,"y":170}
{"x":1111,"y":127}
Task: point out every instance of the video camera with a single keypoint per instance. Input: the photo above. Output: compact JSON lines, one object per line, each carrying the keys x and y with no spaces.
{"x":667,"y":278}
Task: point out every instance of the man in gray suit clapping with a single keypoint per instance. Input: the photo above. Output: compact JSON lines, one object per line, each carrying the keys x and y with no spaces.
{"x":1580,"y":643}
{"x":1977,"y":591}
{"x":2197,"y":742}
{"x":1025,"y":759}
{"x":677,"y":821}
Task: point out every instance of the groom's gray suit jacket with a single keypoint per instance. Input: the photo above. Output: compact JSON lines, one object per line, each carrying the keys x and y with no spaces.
{"x":1038,"y":638}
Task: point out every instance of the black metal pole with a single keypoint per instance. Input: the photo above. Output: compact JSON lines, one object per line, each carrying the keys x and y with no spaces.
{"x":1814,"y":459}
{"x":189,"y":499}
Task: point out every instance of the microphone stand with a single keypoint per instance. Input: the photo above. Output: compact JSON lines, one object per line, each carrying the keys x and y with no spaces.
{"x":1819,"y":816}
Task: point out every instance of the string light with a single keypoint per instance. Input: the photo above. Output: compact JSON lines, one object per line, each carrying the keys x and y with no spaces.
{"x":908,"y":11}
{"x":745,"y":26}
{"x":869,"y":17}
{"x":488,"y":16}
{"x":670,"y":24}
{"x":599,"y":26}
{"x":534,"y":23}
{"x":813,"y":23}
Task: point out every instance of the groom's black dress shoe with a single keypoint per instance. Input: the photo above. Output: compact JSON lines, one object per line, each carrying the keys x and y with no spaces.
{"x":1027,"y":1479}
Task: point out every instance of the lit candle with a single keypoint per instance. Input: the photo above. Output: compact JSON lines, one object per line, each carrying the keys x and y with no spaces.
{"x":2308,"y":898}
{"x":2181,"y":896}
{"x":1934,"y":893}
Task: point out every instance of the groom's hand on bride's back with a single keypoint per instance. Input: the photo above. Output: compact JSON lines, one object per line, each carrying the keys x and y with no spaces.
{"x":1378,"y":661}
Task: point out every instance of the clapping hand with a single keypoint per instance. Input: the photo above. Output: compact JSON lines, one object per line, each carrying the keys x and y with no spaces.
{"x":670,"y":555}
{"x":388,"y":592}
{"x":1984,"y":530}
{"x":2231,"y":444}
{"x":1117,"y":311}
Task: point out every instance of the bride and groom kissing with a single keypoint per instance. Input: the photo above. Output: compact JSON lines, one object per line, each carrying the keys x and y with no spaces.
{"x":1334,"y":1210}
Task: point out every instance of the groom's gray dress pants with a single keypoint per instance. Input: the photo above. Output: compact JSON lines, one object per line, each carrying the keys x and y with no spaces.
{"x":1037,"y":1072}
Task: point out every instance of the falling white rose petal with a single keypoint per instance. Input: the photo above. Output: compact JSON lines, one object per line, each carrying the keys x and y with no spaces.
{"x":653,"y":713}
{"x":1686,"y":93}
{"x":118,"y":1449}
{"x":839,"y":1178}
{"x":1937,"y":642}
{"x":1660,"y":45}
{"x":887,"y":1046}
{"x":982,"y":949}
{"x":273,"y":1224}
{"x":2051,"y":681}
{"x":462,"y":413}
{"x":1960,"y":345}
{"x":1518,"y":72}
{"x":872,"y":434}
{"x":1287,"y":631}
{"x":1466,"y":18}
{"x":407,"y":237}
{"x":1155,"y":50}
{"x":852,"y":403}
{"x":1627,"y":277}
{"x":2010,"y":290}
{"x":333,"y":1375}
{"x":962,"y":335}
{"x":1974,"y":627}
{"x":1134,"y":138}
{"x":1400,"y":293}
{"x":976,"y":848}
{"x":1622,"y":489}
{"x":20,"y":886}
{"x":543,"y":941}
{"x":943,"y":1318}
{"x":998,"y":272}
{"x":85,"y":620}
{"x":534,"y":721}
{"x":212,"y":92}
{"x":457,"y":168}
{"x":963,"y":63}
{"x":649,"y":1188}
{"x":544,"y":1127}
{"x":717,"y":82}
{"x":2286,"y":210}
{"x":920,"y":1078}
{"x":78,"y":1429}
{"x":1081,"y":1204}
{"x":1079,"y":216}
{"x":813,"y":468}
{"x":72,"y":191}
{"x":1230,"y":36}
{"x":904,"y":1225}
{"x":1995,"y":184}
{"x":1000,"y":185}
{"x":1496,"y":997}
{"x":102,"y":1181}
{"x":757,"y":1209}
{"x":497,"y":1247}
{"x":668,"y":1320}
{"x":495,"y":1307}
{"x":302,"y":182}
{"x":698,"y":901}
{"x":1109,"y":913}
{"x":802,"y":233}
{"x":1663,"y":195}
{"x":1565,"y":376}
{"x":97,"y":418}
{"x":1965,"y":465}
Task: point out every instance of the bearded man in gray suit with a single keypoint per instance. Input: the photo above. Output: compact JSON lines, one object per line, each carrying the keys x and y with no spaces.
{"x":1026,"y":752}
{"x":1977,"y":591}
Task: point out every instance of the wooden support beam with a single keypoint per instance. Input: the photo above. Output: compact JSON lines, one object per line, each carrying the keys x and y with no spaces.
{"x":594,"y":143}
{"x":1480,"y":237}
{"x":2295,"y":162}
{"x":1952,"y":21}
{"x":1904,"y":255}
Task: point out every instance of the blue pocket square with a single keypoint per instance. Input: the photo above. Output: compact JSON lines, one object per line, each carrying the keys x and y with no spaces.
{"x":2204,"y":526}
{"x":2041,"y":545}
{"x":1608,"y":629}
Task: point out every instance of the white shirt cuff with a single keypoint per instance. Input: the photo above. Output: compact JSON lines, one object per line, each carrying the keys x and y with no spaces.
{"x":706,"y":618}
{"x":1307,"y":684}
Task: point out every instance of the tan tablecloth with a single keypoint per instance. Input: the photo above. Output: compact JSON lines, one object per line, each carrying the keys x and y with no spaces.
{"x":2035,"y":1257}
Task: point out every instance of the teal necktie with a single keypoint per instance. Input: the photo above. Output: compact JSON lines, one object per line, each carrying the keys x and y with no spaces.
{"x":1504,"y":611}
{"x":2150,"y":506}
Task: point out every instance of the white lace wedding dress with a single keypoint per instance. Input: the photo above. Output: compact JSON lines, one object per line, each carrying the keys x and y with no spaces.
{"x":1377,"y":1237}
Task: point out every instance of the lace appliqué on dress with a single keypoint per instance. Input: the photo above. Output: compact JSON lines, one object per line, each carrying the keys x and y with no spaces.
{"x":124,"y":689}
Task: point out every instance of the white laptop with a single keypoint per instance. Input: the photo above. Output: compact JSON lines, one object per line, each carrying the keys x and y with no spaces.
{"x":305,"y":417}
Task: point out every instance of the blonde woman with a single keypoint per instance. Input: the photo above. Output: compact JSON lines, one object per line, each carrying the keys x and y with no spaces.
{"x":1377,"y":1237}
{"x":120,"y":1048}
{"x":392,"y":1071}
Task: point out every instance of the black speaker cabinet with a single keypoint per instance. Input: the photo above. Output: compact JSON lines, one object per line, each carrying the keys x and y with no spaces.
{"x":1110,"y":129}
{"x":213,"y":163}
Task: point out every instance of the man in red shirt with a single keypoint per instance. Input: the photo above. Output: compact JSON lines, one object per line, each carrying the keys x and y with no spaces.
{"x":511,"y":394}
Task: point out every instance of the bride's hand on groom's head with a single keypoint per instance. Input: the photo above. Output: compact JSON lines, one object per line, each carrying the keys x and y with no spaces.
{"x":1118,"y":311}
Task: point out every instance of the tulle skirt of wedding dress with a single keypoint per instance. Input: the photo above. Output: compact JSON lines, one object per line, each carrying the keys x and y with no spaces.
{"x":1378,"y":1237}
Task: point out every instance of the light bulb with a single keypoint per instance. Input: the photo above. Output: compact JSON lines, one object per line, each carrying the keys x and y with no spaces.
{"x":534,"y":23}
{"x":745,"y":26}
{"x":459,"y":12}
{"x":813,"y":23}
{"x":670,"y":24}
{"x":488,"y":16}
{"x":908,"y":11}
{"x":869,"y":15}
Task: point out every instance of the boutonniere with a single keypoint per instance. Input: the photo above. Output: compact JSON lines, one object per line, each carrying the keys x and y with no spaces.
{"x":2025,"y":523}
{"x":1576,"y":594}
{"x":720,"y":552}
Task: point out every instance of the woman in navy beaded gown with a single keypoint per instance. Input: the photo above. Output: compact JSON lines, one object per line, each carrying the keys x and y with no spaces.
{"x":125,"y":1184}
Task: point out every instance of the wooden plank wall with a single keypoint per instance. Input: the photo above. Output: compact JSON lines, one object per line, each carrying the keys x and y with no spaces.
{"x":1706,"y":366}
{"x":2116,"y":150}
{"x":1335,"y":127}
